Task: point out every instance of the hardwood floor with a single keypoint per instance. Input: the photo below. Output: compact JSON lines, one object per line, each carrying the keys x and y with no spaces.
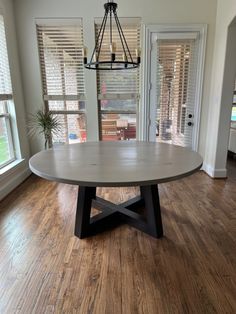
{"x":45,"y":269}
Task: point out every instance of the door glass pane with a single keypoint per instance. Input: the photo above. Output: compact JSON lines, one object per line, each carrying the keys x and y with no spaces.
{"x":176,"y":87}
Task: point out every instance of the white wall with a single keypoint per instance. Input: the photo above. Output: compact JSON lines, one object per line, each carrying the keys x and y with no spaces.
{"x":151,"y":11}
{"x":223,"y":75}
{"x":10,"y":179}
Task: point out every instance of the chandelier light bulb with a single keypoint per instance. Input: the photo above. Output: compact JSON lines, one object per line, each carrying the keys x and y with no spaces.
{"x":85,"y":52}
{"x":113,"y":47}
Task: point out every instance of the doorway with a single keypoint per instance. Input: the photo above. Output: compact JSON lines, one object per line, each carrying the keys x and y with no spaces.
{"x":231,"y":160}
{"x":225,"y":123}
{"x":175,"y":58}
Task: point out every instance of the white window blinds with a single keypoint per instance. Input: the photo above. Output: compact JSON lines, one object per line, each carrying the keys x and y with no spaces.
{"x":7,"y":153}
{"x":5,"y":78}
{"x":176,"y":89}
{"x":116,"y":84}
{"x":61,"y":59}
{"x":60,"y":50}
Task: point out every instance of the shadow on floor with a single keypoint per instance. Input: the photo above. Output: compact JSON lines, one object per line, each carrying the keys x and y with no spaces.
{"x":231,"y":165}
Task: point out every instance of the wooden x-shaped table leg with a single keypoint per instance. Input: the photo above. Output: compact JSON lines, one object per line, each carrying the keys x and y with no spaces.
{"x":111,"y":214}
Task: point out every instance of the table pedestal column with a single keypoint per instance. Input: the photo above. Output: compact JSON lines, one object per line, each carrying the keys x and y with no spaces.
{"x":149,"y":221}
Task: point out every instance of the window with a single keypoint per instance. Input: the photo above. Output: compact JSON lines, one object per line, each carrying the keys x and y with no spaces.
{"x":6,"y":98}
{"x":118,"y":91}
{"x":61,"y":60}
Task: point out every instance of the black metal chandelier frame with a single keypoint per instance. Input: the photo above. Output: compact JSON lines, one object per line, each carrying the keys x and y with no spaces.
{"x":112,"y":64}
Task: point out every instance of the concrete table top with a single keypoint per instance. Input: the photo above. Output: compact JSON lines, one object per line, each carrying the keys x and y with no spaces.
{"x":122,"y":163}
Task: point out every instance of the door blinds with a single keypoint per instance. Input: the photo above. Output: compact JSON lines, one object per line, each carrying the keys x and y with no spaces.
{"x":176,"y":89}
{"x":60,"y":50}
{"x":114,"y":84}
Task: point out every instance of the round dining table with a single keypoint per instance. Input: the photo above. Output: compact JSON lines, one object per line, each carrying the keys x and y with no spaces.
{"x":116,"y":164}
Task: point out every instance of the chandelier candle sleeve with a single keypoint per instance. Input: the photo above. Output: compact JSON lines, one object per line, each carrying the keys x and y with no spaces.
{"x":95,"y":57}
{"x":113,"y":51}
{"x":138,"y":54}
{"x":125,"y":60}
{"x":85,"y":54}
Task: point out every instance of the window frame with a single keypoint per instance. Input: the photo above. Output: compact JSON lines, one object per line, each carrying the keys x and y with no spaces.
{"x":6,"y":117}
{"x":120,"y":96}
{"x":64,"y":98}
{"x":6,"y":98}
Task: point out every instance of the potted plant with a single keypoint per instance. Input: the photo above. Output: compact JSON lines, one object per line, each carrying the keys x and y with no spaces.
{"x":44,"y":122}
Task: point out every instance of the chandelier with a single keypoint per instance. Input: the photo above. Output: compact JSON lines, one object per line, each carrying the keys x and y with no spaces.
{"x":125,"y":60}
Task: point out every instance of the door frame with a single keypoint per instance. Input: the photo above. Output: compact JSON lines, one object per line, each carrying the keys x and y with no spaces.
{"x":148,"y":31}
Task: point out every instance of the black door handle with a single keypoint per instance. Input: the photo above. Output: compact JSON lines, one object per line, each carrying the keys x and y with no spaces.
{"x":190,"y":116}
{"x":190,"y":123}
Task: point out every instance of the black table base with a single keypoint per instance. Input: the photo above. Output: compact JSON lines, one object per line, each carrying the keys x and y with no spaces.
{"x":149,"y":221}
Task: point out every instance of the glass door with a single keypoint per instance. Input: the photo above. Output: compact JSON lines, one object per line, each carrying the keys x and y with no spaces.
{"x":173,"y":92}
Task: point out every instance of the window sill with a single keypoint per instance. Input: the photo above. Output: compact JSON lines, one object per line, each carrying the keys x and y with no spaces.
{"x":11,"y":167}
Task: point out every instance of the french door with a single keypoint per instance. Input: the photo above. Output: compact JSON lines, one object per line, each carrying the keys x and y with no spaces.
{"x":174,"y":88}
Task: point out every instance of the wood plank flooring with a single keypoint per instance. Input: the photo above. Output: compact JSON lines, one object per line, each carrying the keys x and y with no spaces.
{"x":45,"y":269}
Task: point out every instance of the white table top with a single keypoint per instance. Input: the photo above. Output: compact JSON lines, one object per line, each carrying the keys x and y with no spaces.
{"x":122,"y":163}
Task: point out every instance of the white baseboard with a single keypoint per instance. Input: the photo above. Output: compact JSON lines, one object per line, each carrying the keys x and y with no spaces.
{"x":10,"y":182}
{"x":214,"y":173}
